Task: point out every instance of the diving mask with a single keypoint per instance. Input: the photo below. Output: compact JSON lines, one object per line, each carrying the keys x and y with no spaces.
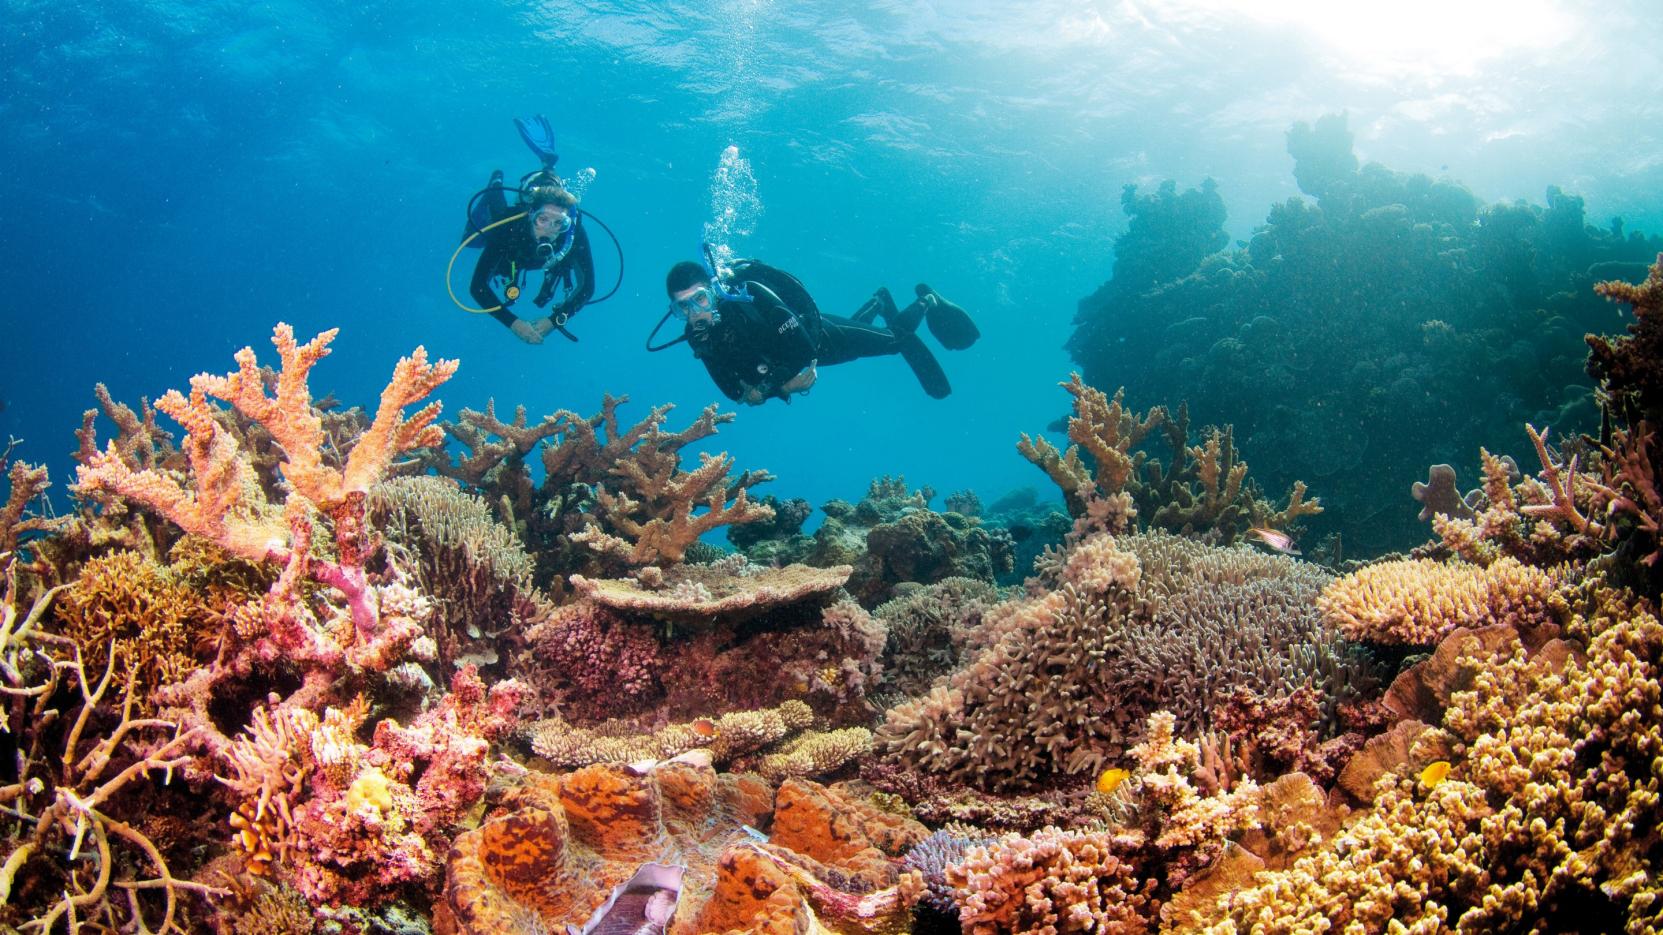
{"x":701,"y":301}
{"x":549,"y":222}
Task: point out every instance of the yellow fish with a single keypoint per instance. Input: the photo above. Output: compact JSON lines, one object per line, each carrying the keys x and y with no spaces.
{"x":1110,"y":780}
{"x":1434,"y":773}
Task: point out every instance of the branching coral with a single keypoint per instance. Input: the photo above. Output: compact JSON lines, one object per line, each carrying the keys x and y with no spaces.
{"x":612,"y":497}
{"x":1054,"y":881}
{"x":68,"y":855}
{"x":1418,"y":601}
{"x":222,"y":507}
{"x":1202,"y":491}
{"x":472,"y":567}
{"x":1546,"y":823}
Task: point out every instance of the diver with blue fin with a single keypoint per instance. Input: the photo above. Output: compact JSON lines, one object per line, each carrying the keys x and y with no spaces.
{"x":542,"y":232}
{"x":759,"y":333}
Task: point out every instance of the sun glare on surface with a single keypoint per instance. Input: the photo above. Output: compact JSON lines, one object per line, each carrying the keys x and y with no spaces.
{"x":1427,"y":38}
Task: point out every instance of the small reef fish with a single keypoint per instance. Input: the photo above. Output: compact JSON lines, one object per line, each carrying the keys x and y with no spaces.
{"x":642,"y":905}
{"x":1434,"y":773}
{"x":1276,"y":539}
{"x":1110,"y":780}
{"x":754,"y":834}
{"x":704,"y":727}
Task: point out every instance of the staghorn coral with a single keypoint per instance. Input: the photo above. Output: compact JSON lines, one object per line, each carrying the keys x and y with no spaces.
{"x":1544,"y":823}
{"x":69,"y":857}
{"x":26,"y":483}
{"x":1544,"y":520}
{"x":1419,"y":601}
{"x":561,"y":844}
{"x":612,"y":497}
{"x":223,"y":506}
{"x":1202,"y":491}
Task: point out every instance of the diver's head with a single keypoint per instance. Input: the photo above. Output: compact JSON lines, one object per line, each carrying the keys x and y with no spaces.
{"x":692,"y":297}
{"x":551,"y":211}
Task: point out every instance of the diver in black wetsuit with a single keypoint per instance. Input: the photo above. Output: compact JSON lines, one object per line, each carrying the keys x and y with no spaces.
{"x":761,"y":336}
{"x":550,"y":239}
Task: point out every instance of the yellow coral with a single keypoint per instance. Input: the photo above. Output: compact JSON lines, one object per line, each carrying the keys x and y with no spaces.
{"x":1420,"y":601}
{"x":1550,"y":831}
{"x":126,"y":605}
{"x":370,"y":790}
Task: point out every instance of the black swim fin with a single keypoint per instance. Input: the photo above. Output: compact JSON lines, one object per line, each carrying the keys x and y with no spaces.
{"x":925,"y":367}
{"x":539,"y":135}
{"x":880,"y":305}
{"x":950,"y":324}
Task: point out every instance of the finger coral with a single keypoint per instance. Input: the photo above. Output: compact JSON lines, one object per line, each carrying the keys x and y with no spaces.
{"x":1418,"y":601}
{"x":1054,"y":881}
{"x":1545,"y":824}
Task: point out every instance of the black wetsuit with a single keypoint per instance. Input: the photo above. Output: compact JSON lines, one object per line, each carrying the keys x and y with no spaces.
{"x":763,"y":344}
{"x":511,"y":252}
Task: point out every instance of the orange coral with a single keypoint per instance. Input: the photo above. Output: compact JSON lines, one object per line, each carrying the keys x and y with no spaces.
{"x":1419,"y":601}
{"x":569,"y":840}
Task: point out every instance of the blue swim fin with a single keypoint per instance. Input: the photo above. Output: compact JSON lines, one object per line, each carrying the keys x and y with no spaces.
{"x":538,"y":135}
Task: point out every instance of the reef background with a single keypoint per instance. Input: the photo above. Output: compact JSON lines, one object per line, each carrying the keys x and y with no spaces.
{"x":205,"y":174}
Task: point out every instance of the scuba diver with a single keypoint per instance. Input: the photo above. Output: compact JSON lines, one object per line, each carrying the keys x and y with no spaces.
{"x":760,"y":335}
{"x":543,"y":232}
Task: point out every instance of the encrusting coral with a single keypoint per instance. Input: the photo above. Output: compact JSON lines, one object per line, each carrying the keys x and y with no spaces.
{"x":560,"y":845}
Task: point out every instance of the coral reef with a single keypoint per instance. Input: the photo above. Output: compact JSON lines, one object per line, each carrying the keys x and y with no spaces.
{"x":224,"y":509}
{"x":1087,"y":662}
{"x":611,"y":498}
{"x":1411,"y":276}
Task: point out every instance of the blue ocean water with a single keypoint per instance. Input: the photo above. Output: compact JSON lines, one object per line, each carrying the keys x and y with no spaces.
{"x":180,"y":176}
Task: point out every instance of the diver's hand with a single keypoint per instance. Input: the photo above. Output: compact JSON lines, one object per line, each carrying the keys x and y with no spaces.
{"x":543,"y":326}
{"x":801,"y":382}
{"x":526,"y":331}
{"x":753,"y":396}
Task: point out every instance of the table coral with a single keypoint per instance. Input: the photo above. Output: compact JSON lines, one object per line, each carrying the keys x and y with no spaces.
{"x":1418,"y":601}
{"x":702,"y":594}
{"x":726,"y":737}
